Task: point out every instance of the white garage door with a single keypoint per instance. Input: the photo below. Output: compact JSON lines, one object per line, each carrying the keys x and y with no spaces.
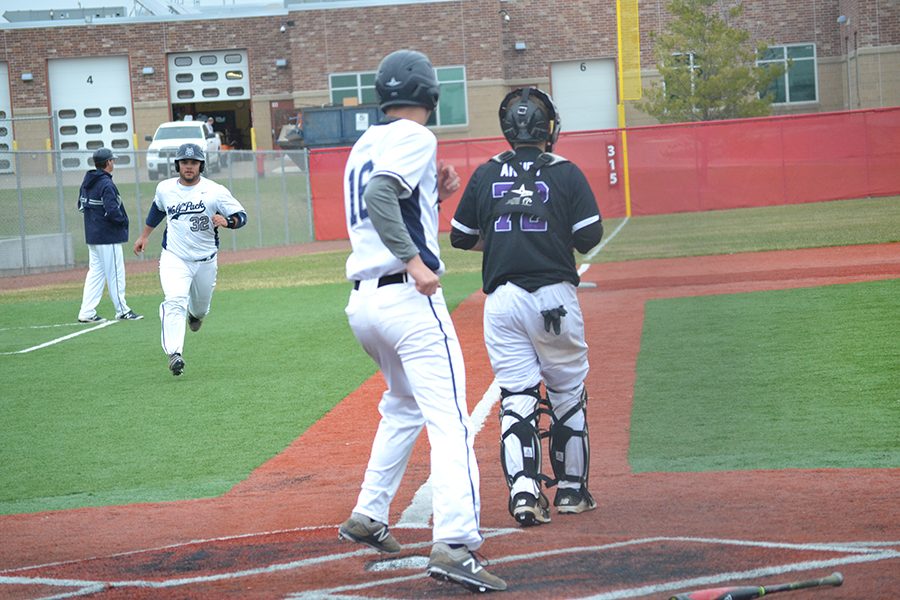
{"x":209,"y":76}
{"x":6,"y":126}
{"x":91,"y":98}
{"x":585,"y":93}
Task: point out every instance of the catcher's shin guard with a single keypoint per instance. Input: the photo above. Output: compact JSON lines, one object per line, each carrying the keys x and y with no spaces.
{"x":519,"y":434}
{"x":562,"y":432}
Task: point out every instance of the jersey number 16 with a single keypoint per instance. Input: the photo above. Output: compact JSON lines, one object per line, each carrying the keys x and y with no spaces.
{"x":356,"y":187}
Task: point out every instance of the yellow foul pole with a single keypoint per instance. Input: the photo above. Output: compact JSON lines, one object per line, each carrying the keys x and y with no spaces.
{"x":629,"y":59}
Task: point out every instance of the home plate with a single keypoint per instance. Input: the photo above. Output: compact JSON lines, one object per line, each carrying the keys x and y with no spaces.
{"x":396,"y":564}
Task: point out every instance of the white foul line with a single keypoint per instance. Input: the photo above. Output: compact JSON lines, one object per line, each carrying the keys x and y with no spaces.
{"x":61,"y":339}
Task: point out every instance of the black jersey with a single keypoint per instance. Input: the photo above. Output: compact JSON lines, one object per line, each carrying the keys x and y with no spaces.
{"x":524,"y":249}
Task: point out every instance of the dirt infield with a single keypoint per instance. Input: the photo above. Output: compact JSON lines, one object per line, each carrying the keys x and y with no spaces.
{"x":274,"y":535}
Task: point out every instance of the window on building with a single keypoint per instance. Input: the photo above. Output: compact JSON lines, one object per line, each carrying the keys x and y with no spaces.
{"x":798,"y":84}
{"x":357,"y":86}
{"x":451,"y":109}
{"x":683,"y":87}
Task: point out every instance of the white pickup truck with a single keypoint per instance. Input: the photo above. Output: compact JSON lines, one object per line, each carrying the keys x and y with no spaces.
{"x":169,"y":136}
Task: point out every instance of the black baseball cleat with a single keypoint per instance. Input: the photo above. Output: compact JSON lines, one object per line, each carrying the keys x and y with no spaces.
{"x":529,"y":510}
{"x":571,"y":502}
{"x":176,"y":364}
{"x":94,"y":319}
{"x":130,"y":316}
{"x":194,"y":323}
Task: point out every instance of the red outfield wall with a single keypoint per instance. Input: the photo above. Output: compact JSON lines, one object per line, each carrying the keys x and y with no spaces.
{"x":687,"y":167}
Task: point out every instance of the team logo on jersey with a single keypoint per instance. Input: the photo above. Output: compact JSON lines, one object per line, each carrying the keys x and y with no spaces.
{"x":186,"y":208}
{"x":501,"y":189}
{"x":521,"y":195}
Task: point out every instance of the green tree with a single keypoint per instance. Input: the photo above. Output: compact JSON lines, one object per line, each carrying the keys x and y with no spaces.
{"x":708,"y":68}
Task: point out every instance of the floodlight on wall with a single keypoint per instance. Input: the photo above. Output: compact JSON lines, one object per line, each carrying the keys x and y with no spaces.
{"x":27,"y":76}
{"x":148,"y":71}
{"x":520,"y":46}
{"x":281,"y":63}
{"x":843,"y":20}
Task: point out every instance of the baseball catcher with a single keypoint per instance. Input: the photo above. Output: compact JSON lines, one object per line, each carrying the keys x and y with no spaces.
{"x":527,"y":209}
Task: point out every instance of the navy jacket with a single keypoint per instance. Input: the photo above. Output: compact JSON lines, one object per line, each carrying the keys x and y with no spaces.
{"x":105,"y":219}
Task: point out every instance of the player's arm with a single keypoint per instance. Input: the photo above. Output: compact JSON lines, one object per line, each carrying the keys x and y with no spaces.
{"x":465,"y":238}
{"x":154,"y":218}
{"x":229,"y":212}
{"x":587,"y":231}
{"x":463,"y":235}
{"x":382,"y":198}
{"x":448,"y":180}
{"x":112,"y":207}
{"x":587,"y":236}
{"x":232,"y":221}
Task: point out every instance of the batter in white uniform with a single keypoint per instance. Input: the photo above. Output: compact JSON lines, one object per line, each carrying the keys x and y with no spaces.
{"x":194,"y":207}
{"x":397,"y":311}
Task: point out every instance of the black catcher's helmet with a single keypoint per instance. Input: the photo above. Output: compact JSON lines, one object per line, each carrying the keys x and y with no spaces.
{"x":191,"y":151}
{"x":529,"y":116}
{"x":406,"y":78}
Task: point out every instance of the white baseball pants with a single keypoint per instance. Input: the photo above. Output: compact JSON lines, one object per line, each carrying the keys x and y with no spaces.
{"x":413,"y":340}
{"x":106,"y":268}
{"x":187,"y":287}
{"x":523,"y":353}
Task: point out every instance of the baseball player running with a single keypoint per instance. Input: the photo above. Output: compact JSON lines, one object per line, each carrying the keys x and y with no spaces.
{"x":194,"y":207}
{"x":392,"y":188}
{"x":527,"y":209}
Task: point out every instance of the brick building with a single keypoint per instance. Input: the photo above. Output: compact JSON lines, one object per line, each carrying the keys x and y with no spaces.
{"x":253,"y":70}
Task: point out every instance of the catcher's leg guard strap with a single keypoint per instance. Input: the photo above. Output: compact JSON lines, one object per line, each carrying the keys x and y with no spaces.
{"x":570,"y":447}
{"x":520,"y":441}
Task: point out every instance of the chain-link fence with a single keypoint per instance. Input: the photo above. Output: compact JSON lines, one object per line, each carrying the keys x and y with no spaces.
{"x":42,"y":230}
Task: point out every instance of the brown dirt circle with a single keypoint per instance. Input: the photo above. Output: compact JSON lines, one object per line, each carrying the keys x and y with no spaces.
{"x":274,"y":535}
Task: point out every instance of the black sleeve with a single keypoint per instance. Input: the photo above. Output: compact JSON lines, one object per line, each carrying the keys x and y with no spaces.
{"x":587,"y":237}
{"x":463,"y":241}
{"x":236,"y":220}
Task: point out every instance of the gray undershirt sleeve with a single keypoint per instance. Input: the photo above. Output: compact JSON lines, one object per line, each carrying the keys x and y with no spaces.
{"x":382,"y":201}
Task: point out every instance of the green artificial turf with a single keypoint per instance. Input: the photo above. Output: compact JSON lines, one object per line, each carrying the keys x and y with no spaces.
{"x":804,"y":378}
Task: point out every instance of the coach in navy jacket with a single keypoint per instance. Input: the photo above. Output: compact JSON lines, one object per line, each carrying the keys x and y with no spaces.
{"x":105,"y":230}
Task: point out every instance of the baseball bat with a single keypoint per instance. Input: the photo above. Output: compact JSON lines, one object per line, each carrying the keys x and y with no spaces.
{"x":749,"y":592}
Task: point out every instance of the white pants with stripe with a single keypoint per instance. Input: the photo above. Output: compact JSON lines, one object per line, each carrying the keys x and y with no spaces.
{"x":187,"y":287}
{"x":106,"y":268}
{"x":413,"y":340}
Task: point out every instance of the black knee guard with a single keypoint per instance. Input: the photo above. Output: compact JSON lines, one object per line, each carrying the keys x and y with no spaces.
{"x":560,"y":434}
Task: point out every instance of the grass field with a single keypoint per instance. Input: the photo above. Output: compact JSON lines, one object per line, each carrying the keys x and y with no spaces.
{"x":99,"y":420}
